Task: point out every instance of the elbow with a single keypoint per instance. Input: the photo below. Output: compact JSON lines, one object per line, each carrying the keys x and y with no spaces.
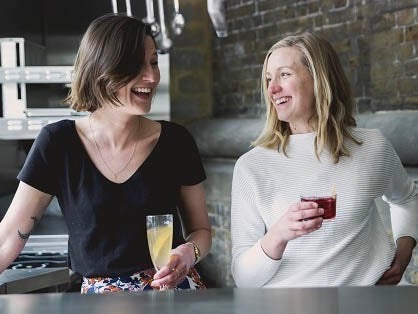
{"x":243,"y":277}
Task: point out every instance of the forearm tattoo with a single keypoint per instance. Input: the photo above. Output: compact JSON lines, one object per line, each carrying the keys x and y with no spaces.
{"x":25,"y":236}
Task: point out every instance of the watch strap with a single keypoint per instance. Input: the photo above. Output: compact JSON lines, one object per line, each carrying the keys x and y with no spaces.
{"x":196,"y":251}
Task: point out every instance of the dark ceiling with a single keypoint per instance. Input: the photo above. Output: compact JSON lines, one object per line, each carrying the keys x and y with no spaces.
{"x":35,"y":19}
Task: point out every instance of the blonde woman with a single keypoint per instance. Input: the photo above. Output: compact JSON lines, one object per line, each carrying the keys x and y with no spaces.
{"x":113,"y":167}
{"x":310,"y":145}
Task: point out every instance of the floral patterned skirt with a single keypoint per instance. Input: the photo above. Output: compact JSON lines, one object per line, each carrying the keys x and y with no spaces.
{"x":136,"y":282}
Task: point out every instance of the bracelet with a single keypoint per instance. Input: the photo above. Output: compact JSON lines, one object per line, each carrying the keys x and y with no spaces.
{"x":196,"y":251}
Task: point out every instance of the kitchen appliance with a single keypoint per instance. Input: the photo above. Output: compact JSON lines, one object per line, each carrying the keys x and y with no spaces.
{"x":43,"y":251}
{"x":42,"y":266}
{"x":30,"y":94}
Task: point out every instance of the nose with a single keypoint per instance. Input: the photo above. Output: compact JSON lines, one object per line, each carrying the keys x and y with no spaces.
{"x":273,"y":87}
{"x":150,"y":74}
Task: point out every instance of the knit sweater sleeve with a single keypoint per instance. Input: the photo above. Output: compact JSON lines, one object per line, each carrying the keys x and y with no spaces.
{"x":251,"y":267}
{"x":402,"y":196}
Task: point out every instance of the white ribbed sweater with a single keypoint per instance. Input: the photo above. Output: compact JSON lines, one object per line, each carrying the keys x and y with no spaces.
{"x":353,"y":249}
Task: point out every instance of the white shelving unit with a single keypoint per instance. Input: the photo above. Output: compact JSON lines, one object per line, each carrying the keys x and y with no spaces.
{"x":36,"y":74}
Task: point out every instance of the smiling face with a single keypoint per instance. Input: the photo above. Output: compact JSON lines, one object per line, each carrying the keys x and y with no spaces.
{"x":290,"y":88}
{"x":137,"y":95}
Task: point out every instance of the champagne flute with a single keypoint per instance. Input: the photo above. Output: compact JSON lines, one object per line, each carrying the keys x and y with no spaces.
{"x":160,"y":239}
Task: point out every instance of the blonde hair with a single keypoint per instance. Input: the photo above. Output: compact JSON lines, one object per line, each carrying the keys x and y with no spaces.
{"x":111,"y":54}
{"x":333,"y":109}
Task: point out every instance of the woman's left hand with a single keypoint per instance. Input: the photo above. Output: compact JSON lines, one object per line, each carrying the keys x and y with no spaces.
{"x":393,"y":275}
{"x":172,"y":274}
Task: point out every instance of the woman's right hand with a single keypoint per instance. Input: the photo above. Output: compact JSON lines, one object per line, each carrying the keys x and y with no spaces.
{"x":300,"y":219}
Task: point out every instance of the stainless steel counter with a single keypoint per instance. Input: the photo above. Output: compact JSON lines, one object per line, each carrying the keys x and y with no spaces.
{"x":27,"y":280}
{"x":359,"y":300}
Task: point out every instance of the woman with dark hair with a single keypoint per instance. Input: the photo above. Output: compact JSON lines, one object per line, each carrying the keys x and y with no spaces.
{"x":112,"y":168}
{"x":310,"y":145}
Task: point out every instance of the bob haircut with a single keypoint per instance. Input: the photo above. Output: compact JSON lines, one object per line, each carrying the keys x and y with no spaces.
{"x":333,"y":109}
{"x":111,"y":54}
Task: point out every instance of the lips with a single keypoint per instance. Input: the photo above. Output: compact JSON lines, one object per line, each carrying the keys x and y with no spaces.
{"x":144,"y":93}
{"x":141,"y":90}
{"x":282,"y":100}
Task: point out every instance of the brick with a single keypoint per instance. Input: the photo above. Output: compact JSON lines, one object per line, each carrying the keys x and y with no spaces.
{"x":243,"y":10}
{"x":232,"y":3}
{"x":327,"y":5}
{"x":340,"y":3}
{"x":277,"y":15}
{"x":271,"y":30}
{"x":342,"y":46}
{"x":340,"y":16}
{"x":411,"y":68}
{"x":268,"y":5}
{"x":412,"y":100}
{"x":357,"y":27}
{"x":245,"y":24}
{"x":386,"y":40}
{"x":299,"y":10}
{"x":405,"y":51}
{"x":385,"y":70}
{"x":406,"y":17}
{"x":396,"y":5}
{"x":250,"y":84}
{"x":383,"y":87}
{"x":383,"y":22}
{"x":387,"y":103}
{"x":314,"y":7}
{"x":411,"y":33}
{"x":407,"y":86}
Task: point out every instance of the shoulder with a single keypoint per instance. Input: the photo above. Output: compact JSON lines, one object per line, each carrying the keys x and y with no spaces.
{"x":58,"y":128}
{"x":254,"y":158}
{"x":176,"y":131}
{"x":54,"y":133}
{"x":371,"y":137}
{"x":374,"y":143}
{"x":368,"y":134}
{"x":173,"y":126}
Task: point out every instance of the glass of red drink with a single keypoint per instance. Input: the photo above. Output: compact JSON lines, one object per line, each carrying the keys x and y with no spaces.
{"x":328,"y":203}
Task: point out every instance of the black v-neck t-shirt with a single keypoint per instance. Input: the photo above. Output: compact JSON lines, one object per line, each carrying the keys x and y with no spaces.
{"x":106,"y":220}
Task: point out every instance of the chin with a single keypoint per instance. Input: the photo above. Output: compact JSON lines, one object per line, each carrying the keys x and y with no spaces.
{"x":282,"y":117}
{"x":140,"y":110}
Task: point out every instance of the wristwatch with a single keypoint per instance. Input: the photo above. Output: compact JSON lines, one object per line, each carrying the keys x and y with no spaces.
{"x":196,"y":252}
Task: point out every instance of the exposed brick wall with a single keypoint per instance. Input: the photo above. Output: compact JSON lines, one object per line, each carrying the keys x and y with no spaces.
{"x":377,"y":42}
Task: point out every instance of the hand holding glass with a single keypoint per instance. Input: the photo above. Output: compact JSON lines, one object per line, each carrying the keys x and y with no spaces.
{"x":328,"y":203}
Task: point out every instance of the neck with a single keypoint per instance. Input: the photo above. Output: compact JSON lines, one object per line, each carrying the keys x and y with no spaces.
{"x":300,"y":128}
{"x":116,"y":130}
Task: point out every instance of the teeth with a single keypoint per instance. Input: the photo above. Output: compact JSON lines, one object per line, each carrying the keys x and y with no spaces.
{"x":282,"y":100}
{"x":141,"y":90}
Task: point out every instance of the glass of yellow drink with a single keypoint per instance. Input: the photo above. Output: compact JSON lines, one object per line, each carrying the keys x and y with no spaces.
{"x":160,"y":238}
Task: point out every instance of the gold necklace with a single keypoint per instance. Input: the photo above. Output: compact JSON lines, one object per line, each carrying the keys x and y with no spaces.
{"x":115,"y":174}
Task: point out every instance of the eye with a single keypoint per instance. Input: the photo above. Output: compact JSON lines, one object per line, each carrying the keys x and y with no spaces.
{"x":268,"y":80}
{"x":284,"y":74}
{"x":154,"y":64}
